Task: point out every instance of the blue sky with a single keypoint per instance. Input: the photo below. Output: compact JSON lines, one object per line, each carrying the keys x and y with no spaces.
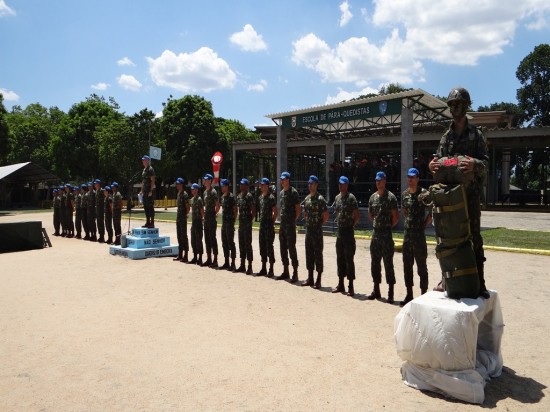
{"x":252,"y":58}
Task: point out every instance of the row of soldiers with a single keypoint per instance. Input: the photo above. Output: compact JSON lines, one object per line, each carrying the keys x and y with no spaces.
{"x":95,"y":208}
{"x":383,"y":212}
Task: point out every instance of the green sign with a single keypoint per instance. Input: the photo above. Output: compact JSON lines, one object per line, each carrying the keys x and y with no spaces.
{"x":343,"y":114}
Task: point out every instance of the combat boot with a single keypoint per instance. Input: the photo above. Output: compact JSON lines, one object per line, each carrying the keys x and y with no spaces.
{"x":309,"y":281}
{"x":249,"y":270}
{"x":214,"y":264}
{"x":318,"y":281}
{"x":390,"y":294}
{"x":109,"y":240}
{"x":101,"y":239}
{"x":340,"y":288}
{"x":185,"y":259}
{"x":117,"y":240}
{"x":208,"y":260}
{"x":147,"y":222}
{"x":194,"y":260}
{"x":375,"y":294}
{"x":199,"y":260}
{"x":294,"y":275}
{"x":270,"y":273}
{"x":241,"y":268}
{"x":423,"y":290}
{"x":180,"y":252}
{"x":225,"y":264}
{"x":93,"y":238}
{"x":152,"y":223}
{"x":351,"y":290}
{"x":263,"y":270}
{"x":285,"y":275}
{"x":232,"y":268}
{"x":408,"y":297}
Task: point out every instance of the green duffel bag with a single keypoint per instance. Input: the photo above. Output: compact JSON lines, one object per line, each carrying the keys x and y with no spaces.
{"x":450,"y":214}
{"x":449,"y":171}
{"x":459,"y":270}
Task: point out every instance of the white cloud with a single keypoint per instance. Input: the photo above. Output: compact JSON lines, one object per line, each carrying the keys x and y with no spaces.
{"x":125,"y":61}
{"x":129,"y":82}
{"x":346,"y":13}
{"x":6,"y":10}
{"x":202,"y":71}
{"x":9,"y":95}
{"x":100,"y":86}
{"x":248,"y":39}
{"x":344,"y":95}
{"x":258,"y":87}
{"x":158,"y":115}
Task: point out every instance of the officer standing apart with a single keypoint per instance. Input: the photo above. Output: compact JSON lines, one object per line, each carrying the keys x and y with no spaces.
{"x":211,"y":209}
{"x":117,"y":212}
{"x":414,"y":240}
{"x":247,"y":211}
{"x":229,"y":214}
{"x":467,"y":140}
{"x":84,"y":209}
{"x":183,"y":208}
{"x":91,"y":212}
{"x":384,"y":215}
{"x":347,"y":216}
{"x":316,"y":214}
{"x":147,"y":188}
{"x":77,"y":212}
{"x":290,"y":211}
{"x":197,"y":216}
{"x":268,"y":214}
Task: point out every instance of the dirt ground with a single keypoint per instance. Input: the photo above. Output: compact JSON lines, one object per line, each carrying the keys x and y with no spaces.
{"x":81,"y":330}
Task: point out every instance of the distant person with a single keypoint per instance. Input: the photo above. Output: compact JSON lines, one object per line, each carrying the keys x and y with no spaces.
{"x":247,"y":211}
{"x":268,"y":214}
{"x":183,"y":207}
{"x":77,"y":212}
{"x":56,"y":212}
{"x":100,"y":210}
{"x":211,"y":209}
{"x":108,"y":207}
{"x":117,"y":212}
{"x":91,"y":212}
{"x":84,"y":210}
{"x":289,"y":211}
{"x":197,"y":216}
{"x":147,"y":191}
{"x":229,"y":215}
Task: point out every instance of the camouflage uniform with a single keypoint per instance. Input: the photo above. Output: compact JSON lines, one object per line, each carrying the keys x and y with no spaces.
{"x":148,"y":201}
{"x":267,"y":228}
{"x":117,"y":215}
{"x":314,"y":207}
{"x":108,"y":208}
{"x":228,"y":226}
{"x":345,"y":241}
{"x":100,"y":212}
{"x":210,"y":224}
{"x":84,"y":212}
{"x":381,"y":245}
{"x":196,"y":224}
{"x":245,"y":203}
{"x":63,"y":213}
{"x":78,"y":214}
{"x":287,"y":230}
{"x":56,"y":214}
{"x":69,"y":213}
{"x":91,"y":213}
{"x":181,"y":220}
{"x":414,"y":239}
{"x":257,"y":196}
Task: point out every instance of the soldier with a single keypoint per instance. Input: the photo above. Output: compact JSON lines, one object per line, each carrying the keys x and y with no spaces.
{"x":229,"y":214}
{"x":414,"y":240}
{"x":63,"y":210}
{"x":56,"y":212}
{"x":69,"y":210}
{"x":117,"y":212}
{"x":211,"y":210}
{"x":84,"y":210}
{"x":197,"y":216}
{"x":77,"y":211}
{"x":316,"y":214}
{"x":257,"y":195}
{"x":384,"y":215}
{"x":100,"y":210}
{"x":183,"y":207}
{"x":91,"y":212}
{"x":268,"y":214}
{"x":108,"y":208}
{"x":347,"y":216}
{"x":466,"y":139}
{"x":245,"y":204}
{"x":290,"y":211}
{"x":147,"y":190}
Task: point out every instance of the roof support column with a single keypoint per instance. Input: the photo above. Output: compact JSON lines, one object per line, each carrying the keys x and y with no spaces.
{"x":282,"y":154}
{"x":329,"y":159}
{"x":406,"y":144}
{"x":505,"y":176}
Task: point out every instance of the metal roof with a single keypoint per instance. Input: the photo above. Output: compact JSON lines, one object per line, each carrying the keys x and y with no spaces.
{"x":26,"y":172}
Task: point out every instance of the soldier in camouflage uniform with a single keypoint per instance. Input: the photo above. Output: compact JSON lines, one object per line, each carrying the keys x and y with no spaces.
{"x":77,"y":212}
{"x":91,"y":212}
{"x":268,"y":214}
{"x":197,"y":216}
{"x":211,"y":209}
{"x":183,"y":207}
{"x":100,"y":210}
{"x":414,"y":240}
{"x":384,"y":215}
{"x":63,"y":210}
{"x":84,"y":210}
{"x":117,"y":212}
{"x":56,"y":212}
{"x":229,"y":214}
{"x":247,"y":210}
{"x":69,"y":210}
{"x":108,"y":208}
{"x":463,"y":138}
{"x":147,"y":191}
{"x":257,"y":195}
{"x":316,"y":214}
{"x":347,"y":216}
{"x":290,"y":211}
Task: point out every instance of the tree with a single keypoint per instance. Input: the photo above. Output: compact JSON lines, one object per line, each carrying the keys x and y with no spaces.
{"x":534,"y":96}
{"x":392,"y":88}
{"x":4,"y":144}
{"x":509,"y":108}
{"x":230,"y":131}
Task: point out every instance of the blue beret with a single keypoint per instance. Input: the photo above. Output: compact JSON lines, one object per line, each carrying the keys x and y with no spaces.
{"x":76,"y":188}
{"x":285,"y":175}
{"x":114,"y":184}
{"x":145,"y":157}
{"x":90,"y":184}
{"x":265,"y":181}
{"x":68,"y":185}
{"x":313,"y":179}
{"x":380,"y":175}
{"x":224,"y":182}
{"x":55,"y":191}
{"x":97,"y":181}
{"x":343,"y":180}
{"x":107,"y":188}
{"x":244,"y":181}
{"x":194,"y":186}
{"x":413,"y":171}
{"x":208,"y":176}
{"x":180,"y":181}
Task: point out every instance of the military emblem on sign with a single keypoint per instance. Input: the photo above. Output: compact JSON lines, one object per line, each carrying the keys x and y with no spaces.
{"x":293,"y":121}
{"x":383,"y":106}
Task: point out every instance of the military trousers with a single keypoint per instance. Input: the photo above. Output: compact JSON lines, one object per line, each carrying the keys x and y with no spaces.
{"x":228,"y":240}
{"x":382,"y":248}
{"x":109,"y":224}
{"x":287,"y":243}
{"x":149,"y":205}
{"x":181,"y":230}
{"x":56,"y":219}
{"x":84,"y":220}
{"x":210,"y":240}
{"x":100,"y":218}
{"x":266,"y":238}
{"x":117,"y":226}
{"x":63,"y":219}
{"x":78,"y":221}
{"x":474,"y":213}
{"x":91,"y":221}
{"x":314,"y":248}
{"x":245,"y":241}
{"x":415,"y":249}
{"x":196,"y":237}
{"x":345,"y":252}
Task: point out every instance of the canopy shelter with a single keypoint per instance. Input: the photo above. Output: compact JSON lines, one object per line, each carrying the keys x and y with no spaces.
{"x":20,"y":183}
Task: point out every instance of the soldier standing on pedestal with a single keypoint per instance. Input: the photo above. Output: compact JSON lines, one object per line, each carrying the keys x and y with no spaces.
{"x":147,"y":191}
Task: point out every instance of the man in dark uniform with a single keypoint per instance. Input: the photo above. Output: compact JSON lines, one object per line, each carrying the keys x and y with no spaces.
{"x":384,"y":215}
{"x":56,"y":212}
{"x":247,"y":210}
{"x":63,"y":210}
{"x":211,"y":209}
{"x":257,"y":195}
{"x":414,"y":240}
{"x":466,"y":139}
{"x":290,"y":211}
{"x":84,"y":209}
{"x":197,"y":216}
{"x":229,"y":214}
{"x":77,"y":212}
{"x":69,"y":210}
{"x":268,"y":214}
{"x":108,"y":208}
{"x":117,"y":212}
{"x":91,"y":212}
{"x":347,"y":216}
{"x":316,"y":214}
{"x":182,"y":203}
{"x":100,"y":210}
{"x":147,"y":190}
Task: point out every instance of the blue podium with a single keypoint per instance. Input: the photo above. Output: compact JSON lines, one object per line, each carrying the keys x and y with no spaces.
{"x":145,"y":243}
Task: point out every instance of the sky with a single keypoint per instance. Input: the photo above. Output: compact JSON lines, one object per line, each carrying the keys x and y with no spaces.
{"x":254,"y":58}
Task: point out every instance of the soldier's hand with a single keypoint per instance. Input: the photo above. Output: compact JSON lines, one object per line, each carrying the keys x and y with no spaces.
{"x":467,"y":164}
{"x":433,"y":165}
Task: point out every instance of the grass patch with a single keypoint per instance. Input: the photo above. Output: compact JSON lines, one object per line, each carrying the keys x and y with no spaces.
{"x":516,"y":238}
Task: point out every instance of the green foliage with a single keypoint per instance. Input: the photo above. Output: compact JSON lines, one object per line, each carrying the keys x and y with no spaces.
{"x":392,"y":88}
{"x":4,"y":142}
{"x":509,"y":108}
{"x":534,"y":95}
